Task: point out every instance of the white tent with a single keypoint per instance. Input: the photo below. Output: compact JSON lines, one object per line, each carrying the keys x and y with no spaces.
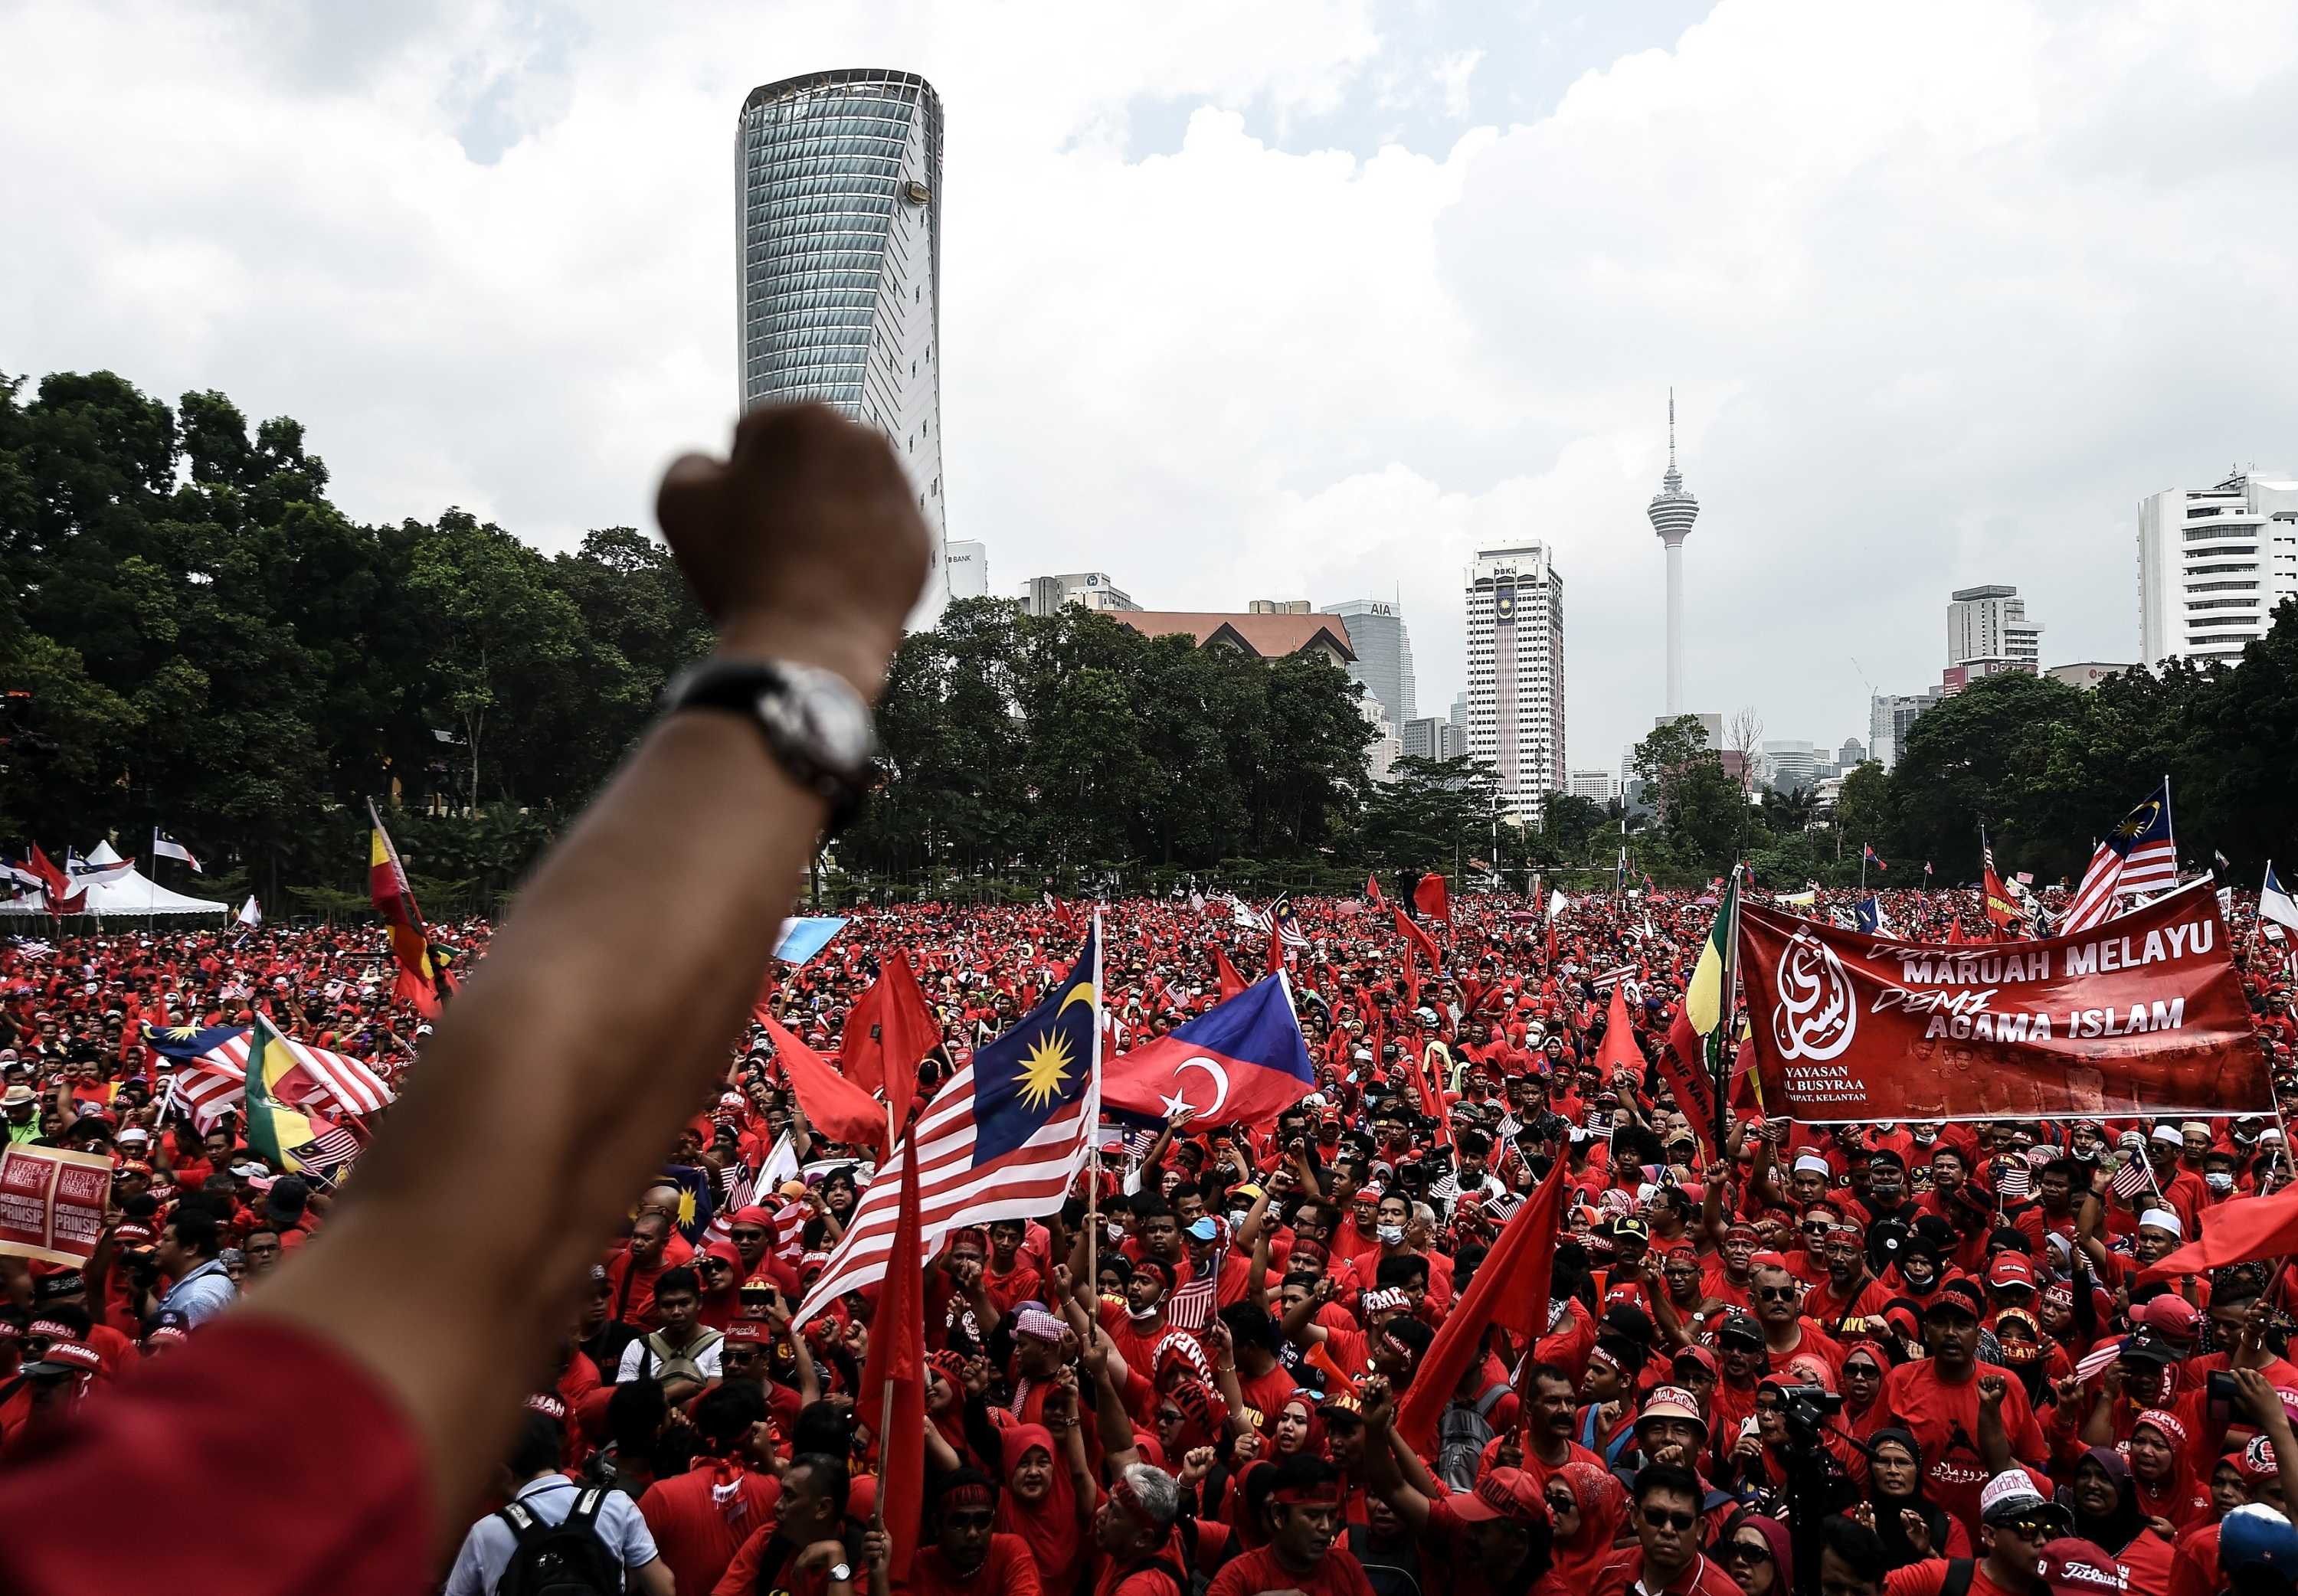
{"x":128,"y":894}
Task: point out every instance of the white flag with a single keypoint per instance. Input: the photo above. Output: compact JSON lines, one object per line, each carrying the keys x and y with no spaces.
{"x":249,"y":915}
{"x":1558,"y":903}
{"x":2274,"y":903}
{"x":164,"y":846}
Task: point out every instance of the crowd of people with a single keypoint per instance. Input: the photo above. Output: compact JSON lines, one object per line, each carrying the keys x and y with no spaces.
{"x":1921,"y":1355}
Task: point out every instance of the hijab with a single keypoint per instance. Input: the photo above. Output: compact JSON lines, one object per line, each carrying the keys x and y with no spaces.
{"x":1055,"y":1536}
{"x":1775,"y":1536}
{"x":1603,"y":1505}
{"x":1898,"y":1551}
{"x":2116,"y":1530}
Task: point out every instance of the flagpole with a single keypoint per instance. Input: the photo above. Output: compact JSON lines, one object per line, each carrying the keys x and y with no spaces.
{"x":886,"y":1403}
{"x":1727,"y":1026}
{"x":1093,"y":1129}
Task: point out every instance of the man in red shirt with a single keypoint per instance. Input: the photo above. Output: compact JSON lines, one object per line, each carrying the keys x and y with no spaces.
{"x":700,"y":1518}
{"x":967,"y":1556}
{"x":2020,"y":1525}
{"x":1973,"y":1419}
{"x":1666,"y":1559}
{"x":1303,"y":1522}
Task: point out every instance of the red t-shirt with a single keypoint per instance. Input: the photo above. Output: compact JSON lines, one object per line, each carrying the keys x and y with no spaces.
{"x":349,"y":1493}
{"x":1007,"y":1571}
{"x":1926,"y":1578}
{"x":1626,"y":1573}
{"x":698,"y":1538}
{"x":1337,"y":1573}
{"x":1943,"y":1416}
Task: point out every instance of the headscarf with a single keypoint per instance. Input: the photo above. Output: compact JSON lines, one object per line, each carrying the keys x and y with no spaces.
{"x":1057,"y":1540}
{"x":1898,"y":1551}
{"x":2115,"y":1531}
{"x":1603,"y":1504}
{"x":1775,"y":1536}
{"x":1312,"y":1444}
{"x":2176,"y":1498}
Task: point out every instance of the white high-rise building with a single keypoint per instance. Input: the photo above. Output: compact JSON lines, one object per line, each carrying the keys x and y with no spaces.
{"x":1986,"y":627}
{"x":1383,"y":651}
{"x":1672,"y":512}
{"x":1597,"y":786}
{"x":2212,"y":564}
{"x":837,"y":259}
{"x":1516,"y":672}
{"x":969,"y":569}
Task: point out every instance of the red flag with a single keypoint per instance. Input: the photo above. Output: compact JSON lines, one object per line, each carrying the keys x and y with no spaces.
{"x":1432,"y":1092}
{"x":1231,"y":982}
{"x":1417,"y":939}
{"x":1682,"y":1065}
{"x":1618,"y":1050}
{"x":897,"y":1360}
{"x":888,"y":1033}
{"x":1276,"y":951}
{"x":1372,"y":892}
{"x":1510,"y":1290}
{"x":1432,"y":899}
{"x":834,"y":1105}
{"x":61,"y":900}
{"x":1954,"y":937}
{"x":2241,"y":1231}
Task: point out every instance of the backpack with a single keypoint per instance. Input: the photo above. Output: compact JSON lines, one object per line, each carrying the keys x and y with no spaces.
{"x":1956,"y":1580}
{"x":661,"y":1360}
{"x":566,"y":1558}
{"x":1463,"y":1434}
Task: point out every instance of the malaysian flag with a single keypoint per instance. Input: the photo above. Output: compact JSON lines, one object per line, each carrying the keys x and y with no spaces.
{"x":1003,"y":1140}
{"x":325,"y":1154}
{"x":1191,"y":1307}
{"x":2138,"y":855}
{"x":212,"y":1071}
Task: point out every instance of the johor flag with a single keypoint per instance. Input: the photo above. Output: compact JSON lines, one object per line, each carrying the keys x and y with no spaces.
{"x":1242,"y":1061}
{"x":1870,"y":916}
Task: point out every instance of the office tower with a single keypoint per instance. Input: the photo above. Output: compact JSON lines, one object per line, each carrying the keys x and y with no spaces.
{"x":1515,"y":601}
{"x":1433,"y":737}
{"x":969,"y":569}
{"x":1383,"y":651}
{"x":838,"y":236}
{"x":2212,"y":564}
{"x":1987,"y":631}
{"x":1091,"y":590}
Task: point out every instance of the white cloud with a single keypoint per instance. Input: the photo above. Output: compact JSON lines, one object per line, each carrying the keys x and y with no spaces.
{"x":1943,"y":290}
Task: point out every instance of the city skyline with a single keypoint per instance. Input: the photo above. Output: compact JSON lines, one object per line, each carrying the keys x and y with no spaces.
{"x":1460,"y":256}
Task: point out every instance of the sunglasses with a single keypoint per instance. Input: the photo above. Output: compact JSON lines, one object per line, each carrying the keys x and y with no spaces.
{"x":1776,"y":1294}
{"x":1661,"y":1518}
{"x":1747,"y":1551}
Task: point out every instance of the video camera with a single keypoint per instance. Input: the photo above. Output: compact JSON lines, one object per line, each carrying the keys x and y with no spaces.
{"x":1806,"y":1408}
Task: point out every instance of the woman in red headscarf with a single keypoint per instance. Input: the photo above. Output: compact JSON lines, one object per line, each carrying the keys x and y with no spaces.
{"x":1586,"y":1505}
{"x":1048,"y":1499}
{"x":2167,"y":1486}
{"x":720,"y":1268}
{"x":1297,"y":1426}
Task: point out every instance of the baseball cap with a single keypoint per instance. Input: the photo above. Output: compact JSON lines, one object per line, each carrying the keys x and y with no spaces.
{"x":1502,"y":1493}
{"x":1672,"y":1401}
{"x":1205,"y":1229}
{"x":2014,"y":1494}
{"x":2169,"y":1315}
{"x":2010,"y":1269}
{"x":64,"y":1358}
{"x":2074,"y":1567}
{"x":1741,"y":1323}
{"x":2256,"y":1536}
{"x":2145,"y":1347}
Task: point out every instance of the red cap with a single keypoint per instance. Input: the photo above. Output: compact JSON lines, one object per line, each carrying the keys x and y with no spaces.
{"x":2010,"y":1269}
{"x":1502,"y":1493}
{"x":548,"y":1405}
{"x":2074,"y":1567}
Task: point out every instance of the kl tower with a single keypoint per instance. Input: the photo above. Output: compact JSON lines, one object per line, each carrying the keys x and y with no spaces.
{"x":1673,"y":511}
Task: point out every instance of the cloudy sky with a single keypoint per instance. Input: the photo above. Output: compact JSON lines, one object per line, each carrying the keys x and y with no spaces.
{"x":1263,"y":300}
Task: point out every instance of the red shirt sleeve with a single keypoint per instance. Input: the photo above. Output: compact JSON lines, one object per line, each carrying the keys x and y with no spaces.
{"x":347,"y":1507}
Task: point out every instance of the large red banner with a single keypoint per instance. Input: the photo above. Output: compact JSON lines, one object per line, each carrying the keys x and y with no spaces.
{"x":2141,"y":1015}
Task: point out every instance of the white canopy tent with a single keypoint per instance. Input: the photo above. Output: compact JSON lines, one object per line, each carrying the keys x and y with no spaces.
{"x":128,"y":894}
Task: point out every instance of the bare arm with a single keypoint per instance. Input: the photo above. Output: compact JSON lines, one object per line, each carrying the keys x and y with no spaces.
{"x":531,"y":1106}
{"x":1383,"y":1476}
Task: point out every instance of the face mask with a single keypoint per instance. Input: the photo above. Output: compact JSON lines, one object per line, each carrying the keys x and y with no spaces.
{"x":1237,"y":1216}
{"x":1389,"y":1236}
{"x":2218,"y":1180}
{"x":1141,"y":1316}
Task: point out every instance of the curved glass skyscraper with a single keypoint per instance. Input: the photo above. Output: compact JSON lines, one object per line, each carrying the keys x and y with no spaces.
{"x":837,"y":206}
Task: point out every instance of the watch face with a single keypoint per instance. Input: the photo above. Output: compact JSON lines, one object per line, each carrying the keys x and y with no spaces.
{"x":842,"y":724}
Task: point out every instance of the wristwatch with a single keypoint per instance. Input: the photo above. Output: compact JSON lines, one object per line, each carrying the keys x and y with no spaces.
{"x":818,"y":727}
{"x":841,"y":1575}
